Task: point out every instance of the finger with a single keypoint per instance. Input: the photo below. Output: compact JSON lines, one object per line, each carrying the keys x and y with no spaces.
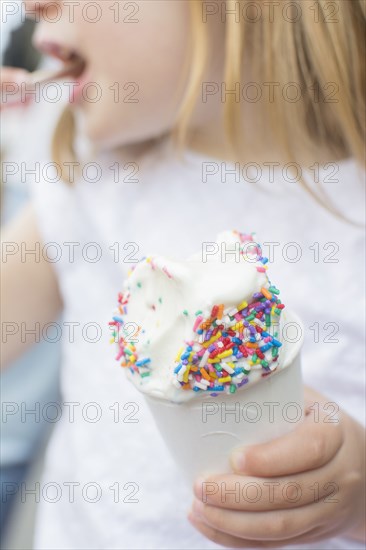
{"x":254,"y":494}
{"x":311,"y":445}
{"x":235,"y":542}
{"x":11,"y":80}
{"x":312,"y":396}
{"x":217,"y":536}
{"x":12,"y":75}
{"x":270,"y":526}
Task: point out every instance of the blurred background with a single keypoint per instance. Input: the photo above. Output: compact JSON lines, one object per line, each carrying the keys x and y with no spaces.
{"x":31,"y":382}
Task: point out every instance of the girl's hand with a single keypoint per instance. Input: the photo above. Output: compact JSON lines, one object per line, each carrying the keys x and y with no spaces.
{"x":11,"y":80}
{"x":306,"y":486}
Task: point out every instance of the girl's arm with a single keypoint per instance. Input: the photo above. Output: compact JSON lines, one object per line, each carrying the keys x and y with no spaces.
{"x":29,"y":289}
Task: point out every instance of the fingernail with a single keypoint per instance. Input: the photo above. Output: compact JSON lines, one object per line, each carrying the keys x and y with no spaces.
{"x":198,"y":508}
{"x":198,"y":487}
{"x":194,"y":519}
{"x":238,"y":460}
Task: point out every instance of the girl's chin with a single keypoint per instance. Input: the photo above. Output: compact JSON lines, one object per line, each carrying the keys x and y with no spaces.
{"x":103,"y":140}
{"x":100,"y":129}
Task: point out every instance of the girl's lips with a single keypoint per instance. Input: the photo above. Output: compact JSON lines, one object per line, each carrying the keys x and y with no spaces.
{"x":73,"y":63}
{"x":54,"y":49}
{"x":73,"y":68}
{"x":78,"y":90}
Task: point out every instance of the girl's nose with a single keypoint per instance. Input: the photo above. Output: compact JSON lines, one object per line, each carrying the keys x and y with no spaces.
{"x":34,"y":9}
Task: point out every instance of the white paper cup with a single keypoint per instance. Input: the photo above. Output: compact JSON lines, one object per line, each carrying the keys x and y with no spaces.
{"x":202,"y":432}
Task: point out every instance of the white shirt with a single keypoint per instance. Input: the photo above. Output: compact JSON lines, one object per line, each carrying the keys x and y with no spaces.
{"x":171,"y":211}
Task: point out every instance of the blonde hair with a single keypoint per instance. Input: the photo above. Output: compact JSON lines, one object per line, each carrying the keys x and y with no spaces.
{"x":314,"y":48}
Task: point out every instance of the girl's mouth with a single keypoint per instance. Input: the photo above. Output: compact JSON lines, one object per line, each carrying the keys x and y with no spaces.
{"x":73,"y":65}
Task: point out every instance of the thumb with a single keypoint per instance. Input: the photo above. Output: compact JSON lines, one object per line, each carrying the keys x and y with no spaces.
{"x":12,"y":75}
{"x":11,"y":80}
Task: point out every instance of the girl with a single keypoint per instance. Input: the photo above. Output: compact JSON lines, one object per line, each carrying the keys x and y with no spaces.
{"x":181,"y":102}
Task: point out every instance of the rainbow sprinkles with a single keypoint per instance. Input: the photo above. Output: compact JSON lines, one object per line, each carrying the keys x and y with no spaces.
{"x":226,"y":344}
